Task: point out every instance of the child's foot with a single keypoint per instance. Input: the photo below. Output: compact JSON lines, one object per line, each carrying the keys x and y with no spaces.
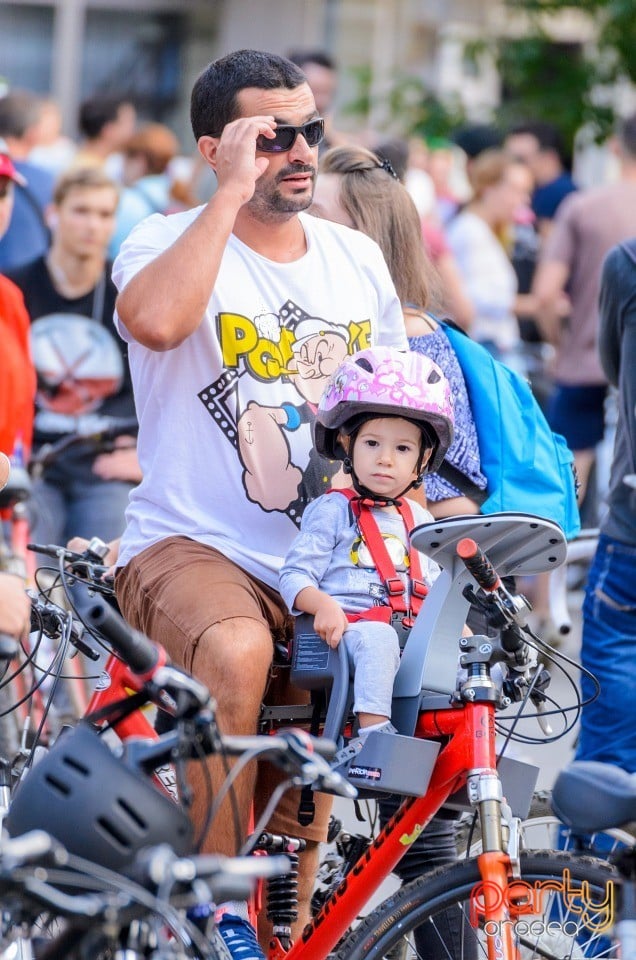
{"x":344,"y":757}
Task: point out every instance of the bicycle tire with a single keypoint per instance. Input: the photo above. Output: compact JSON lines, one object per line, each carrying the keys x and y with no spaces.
{"x":542,"y":830}
{"x":418,"y":909}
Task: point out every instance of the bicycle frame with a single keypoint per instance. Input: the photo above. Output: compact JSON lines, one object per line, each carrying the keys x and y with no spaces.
{"x":467,"y":750}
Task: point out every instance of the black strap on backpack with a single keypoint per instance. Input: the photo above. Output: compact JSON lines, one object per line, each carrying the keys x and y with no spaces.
{"x":458,"y":479}
{"x":447,"y":471}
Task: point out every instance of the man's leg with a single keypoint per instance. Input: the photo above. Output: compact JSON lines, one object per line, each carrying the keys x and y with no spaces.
{"x":285,"y":819}
{"x":187,"y":597}
{"x":233,"y":659}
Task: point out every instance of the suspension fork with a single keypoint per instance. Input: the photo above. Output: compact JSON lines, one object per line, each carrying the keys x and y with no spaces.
{"x":491,"y":903}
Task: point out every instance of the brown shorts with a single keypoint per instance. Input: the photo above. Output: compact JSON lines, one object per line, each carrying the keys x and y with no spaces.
{"x":177,"y":589}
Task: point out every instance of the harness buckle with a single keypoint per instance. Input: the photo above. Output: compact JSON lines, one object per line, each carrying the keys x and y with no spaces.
{"x":419,"y":589}
{"x":394,"y":586}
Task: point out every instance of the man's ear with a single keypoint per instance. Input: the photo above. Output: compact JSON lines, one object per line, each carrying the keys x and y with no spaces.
{"x":207,"y":147}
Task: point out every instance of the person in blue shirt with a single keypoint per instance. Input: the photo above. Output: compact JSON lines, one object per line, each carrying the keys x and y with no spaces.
{"x":540,"y":145}
{"x":28,"y":235}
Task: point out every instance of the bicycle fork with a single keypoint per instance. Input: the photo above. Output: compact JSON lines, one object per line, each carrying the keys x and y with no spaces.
{"x":493,"y":904}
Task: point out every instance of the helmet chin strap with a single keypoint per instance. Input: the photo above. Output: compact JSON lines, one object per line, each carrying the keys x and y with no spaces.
{"x":366,"y":494}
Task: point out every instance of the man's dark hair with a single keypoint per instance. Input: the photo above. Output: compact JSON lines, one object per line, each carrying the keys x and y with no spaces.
{"x":302,"y":57}
{"x":477,"y":137}
{"x":627,"y":135}
{"x":214,"y":104}
{"x":19,"y":110}
{"x":547,"y":136}
{"x":96,"y":112}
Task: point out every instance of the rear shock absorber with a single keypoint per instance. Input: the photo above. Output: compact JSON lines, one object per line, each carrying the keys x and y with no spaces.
{"x":282,"y":891}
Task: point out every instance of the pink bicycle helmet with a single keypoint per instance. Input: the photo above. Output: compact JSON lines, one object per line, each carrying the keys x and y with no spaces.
{"x":382,"y":381}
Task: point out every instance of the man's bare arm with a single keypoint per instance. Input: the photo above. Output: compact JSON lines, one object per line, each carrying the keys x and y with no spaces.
{"x":166,"y":301}
{"x":551,"y":301}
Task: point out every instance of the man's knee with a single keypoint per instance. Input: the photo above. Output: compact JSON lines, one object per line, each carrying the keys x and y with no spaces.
{"x":234,"y":658}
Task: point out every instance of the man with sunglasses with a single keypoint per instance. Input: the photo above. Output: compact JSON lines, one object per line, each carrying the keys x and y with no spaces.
{"x":210,"y":303}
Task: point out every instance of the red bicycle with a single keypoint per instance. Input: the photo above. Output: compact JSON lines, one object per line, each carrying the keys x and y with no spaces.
{"x":504,"y":904}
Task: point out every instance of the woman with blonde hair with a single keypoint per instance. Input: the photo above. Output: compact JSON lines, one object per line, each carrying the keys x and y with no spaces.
{"x":355,"y":188}
{"x":479,"y":236}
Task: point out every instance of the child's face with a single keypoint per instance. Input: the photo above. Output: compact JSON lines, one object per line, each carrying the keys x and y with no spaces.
{"x":386,"y":455}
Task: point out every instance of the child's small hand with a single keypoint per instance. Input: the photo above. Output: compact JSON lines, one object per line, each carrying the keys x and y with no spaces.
{"x":330,"y":621}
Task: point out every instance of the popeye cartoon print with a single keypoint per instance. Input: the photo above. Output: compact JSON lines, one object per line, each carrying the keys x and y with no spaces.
{"x":291,"y":347}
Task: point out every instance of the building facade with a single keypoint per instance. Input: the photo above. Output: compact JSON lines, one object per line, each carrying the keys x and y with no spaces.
{"x":151,"y":50}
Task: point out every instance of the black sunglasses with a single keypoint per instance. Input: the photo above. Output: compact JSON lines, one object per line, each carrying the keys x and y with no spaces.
{"x":285,"y":136}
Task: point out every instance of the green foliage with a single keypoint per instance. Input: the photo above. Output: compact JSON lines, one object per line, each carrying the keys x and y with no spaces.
{"x":560,"y":83}
{"x":409,"y":105}
{"x":564,"y":84}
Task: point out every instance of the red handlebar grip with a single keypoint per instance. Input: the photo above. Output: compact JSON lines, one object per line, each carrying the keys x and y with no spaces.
{"x":478,"y":564}
{"x":467,"y":548}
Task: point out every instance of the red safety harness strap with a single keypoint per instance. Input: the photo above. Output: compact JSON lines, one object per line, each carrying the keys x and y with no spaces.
{"x":370,"y":532}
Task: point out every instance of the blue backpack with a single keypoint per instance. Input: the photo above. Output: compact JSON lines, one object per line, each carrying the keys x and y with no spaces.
{"x":529,"y":468}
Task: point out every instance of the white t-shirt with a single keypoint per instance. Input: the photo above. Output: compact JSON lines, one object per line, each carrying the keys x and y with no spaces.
{"x":226,"y":419}
{"x":489,"y":279}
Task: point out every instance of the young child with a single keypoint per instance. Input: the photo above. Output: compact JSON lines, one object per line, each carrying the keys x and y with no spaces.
{"x":388,"y":416}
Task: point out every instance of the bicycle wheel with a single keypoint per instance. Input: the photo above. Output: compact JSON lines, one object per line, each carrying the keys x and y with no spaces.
{"x":431,"y":917}
{"x":542,"y":830}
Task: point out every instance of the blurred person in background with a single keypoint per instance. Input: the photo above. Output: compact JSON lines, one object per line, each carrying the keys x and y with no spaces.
{"x":53,"y":150}
{"x":451,"y":297}
{"x":27,"y":235}
{"x":106,"y":124}
{"x":540,"y":145}
{"x":82,"y":367}
{"x":322,"y":76}
{"x":480,"y":237}
{"x":17,"y":389}
{"x":148,"y":184}
{"x":17,"y":376}
{"x":608,"y":732}
{"x":445,"y":165}
{"x":566,"y":287}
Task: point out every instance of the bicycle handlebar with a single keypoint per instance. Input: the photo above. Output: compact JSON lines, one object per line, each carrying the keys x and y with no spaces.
{"x":478,"y":564}
{"x":136,"y":649}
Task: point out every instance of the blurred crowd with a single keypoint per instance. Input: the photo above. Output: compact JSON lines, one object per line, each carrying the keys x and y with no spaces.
{"x":516,"y":245}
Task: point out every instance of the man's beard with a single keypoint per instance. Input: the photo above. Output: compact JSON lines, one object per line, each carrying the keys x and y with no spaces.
{"x":268,"y":203}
